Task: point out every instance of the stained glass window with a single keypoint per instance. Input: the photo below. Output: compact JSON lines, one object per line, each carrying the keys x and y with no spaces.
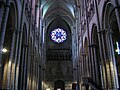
{"x":58,"y":35}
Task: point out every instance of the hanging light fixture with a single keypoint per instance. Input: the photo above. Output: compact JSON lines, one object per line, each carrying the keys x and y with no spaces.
{"x":4,"y":50}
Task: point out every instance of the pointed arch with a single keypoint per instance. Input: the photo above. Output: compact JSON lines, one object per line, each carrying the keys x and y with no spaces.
{"x":9,"y":42}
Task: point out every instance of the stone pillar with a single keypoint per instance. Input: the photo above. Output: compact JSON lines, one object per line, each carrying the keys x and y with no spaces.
{"x":2,"y":33}
{"x":39,"y":64}
{"x":31,"y":69}
{"x":88,"y":35}
{"x":78,"y":83}
{"x":81,"y":64}
{"x":74,"y":75}
{"x":112,"y":62}
{"x":103,"y":59}
{"x":20,"y":42}
{"x":85,"y":64}
{"x":101,"y":46}
{"x":25,"y":68}
{"x":103,"y":51}
{"x":15,"y":61}
{"x":40,"y":78}
{"x":43,"y":86}
{"x":93,"y":63}
{"x":80,"y":73}
{"x":96,"y":63}
{"x":29,"y":50}
{"x":9,"y":72}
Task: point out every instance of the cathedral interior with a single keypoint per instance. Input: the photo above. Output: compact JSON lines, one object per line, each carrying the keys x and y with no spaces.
{"x":59,"y":44}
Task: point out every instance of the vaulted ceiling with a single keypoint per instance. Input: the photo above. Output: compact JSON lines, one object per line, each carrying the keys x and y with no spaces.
{"x":51,"y":9}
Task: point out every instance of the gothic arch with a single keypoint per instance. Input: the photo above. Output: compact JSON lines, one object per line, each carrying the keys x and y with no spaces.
{"x":94,"y":34}
{"x":15,"y":5}
{"x":9,"y":41}
{"x":111,"y":35}
{"x":107,"y":14}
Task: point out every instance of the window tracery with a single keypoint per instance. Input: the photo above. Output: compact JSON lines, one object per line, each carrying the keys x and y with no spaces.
{"x":58,"y":35}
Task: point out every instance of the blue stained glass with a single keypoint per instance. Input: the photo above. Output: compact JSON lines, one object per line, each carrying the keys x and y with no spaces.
{"x":58,"y":35}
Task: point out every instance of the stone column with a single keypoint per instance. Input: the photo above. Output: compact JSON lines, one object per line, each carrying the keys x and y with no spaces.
{"x":96,"y":63}
{"x":103,"y":59}
{"x":32,"y":75}
{"x":43,"y":79}
{"x":40,"y":58}
{"x":92,"y":63}
{"x":25,"y":67}
{"x":40,"y":78}
{"x":9,"y":72}
{"x":15,"y":60}
{"x":23,"y":60}
{"x":80,"y":74}
{"x":20,"y":42}
{"x":2,"y":34}
{"x":88,"y":35}
{"x":101,"y":47}
{"x":74,"y":75}
{"x":85,"y":64}
{"x":29,"y":50}
{"x":81,"y":63}
{"x":78,"y":83}
{"x":112,"y":62}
